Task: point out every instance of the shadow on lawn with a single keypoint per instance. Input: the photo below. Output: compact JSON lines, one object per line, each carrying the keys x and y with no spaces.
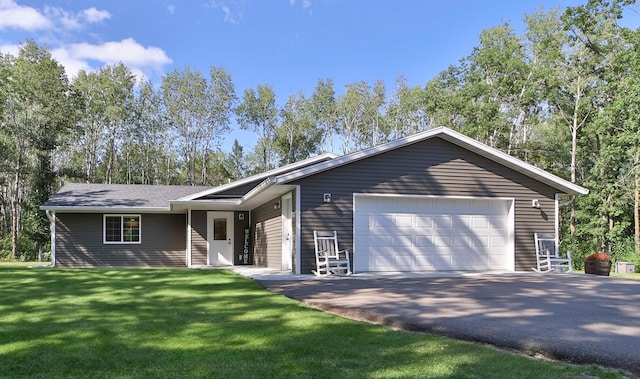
{"x":184,"y":323}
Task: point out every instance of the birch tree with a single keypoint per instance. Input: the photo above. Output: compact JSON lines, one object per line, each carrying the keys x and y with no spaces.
{"x":38,"y":109}
{"x":297,"y":137}
{"x":258,"y":112}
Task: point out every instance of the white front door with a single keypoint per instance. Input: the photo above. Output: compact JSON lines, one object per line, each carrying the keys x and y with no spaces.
{"x":220,"y":238}
{"x":287,"y":232}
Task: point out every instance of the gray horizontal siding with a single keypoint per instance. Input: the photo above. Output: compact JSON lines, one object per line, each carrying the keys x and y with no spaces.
{"x":198,"y":238}
{"x":79,"y":242}
{"x":267,"y":235}
{"x":433,"y":167}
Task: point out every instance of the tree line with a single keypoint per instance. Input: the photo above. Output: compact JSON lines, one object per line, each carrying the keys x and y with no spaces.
{"x":562,"y":95}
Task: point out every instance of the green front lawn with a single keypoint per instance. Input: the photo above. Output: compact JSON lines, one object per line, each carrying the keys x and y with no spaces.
{"x":155,"y":323}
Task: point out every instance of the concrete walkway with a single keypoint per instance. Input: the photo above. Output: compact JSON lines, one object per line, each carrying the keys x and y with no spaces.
{"x":572,"y":317}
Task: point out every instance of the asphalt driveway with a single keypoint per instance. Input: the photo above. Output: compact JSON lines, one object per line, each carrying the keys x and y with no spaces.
{"x":572,"y":317}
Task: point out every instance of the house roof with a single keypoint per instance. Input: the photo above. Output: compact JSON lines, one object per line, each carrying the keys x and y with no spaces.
{"x":82,"y":197}
{"x":150,"y":198}
{"x":132,"y":197}
{"x":259,"y":177}
{"x":451,"y":136}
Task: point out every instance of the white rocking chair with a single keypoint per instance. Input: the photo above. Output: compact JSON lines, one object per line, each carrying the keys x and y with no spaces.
{"x":330,"y":259}
{"x":547,"y":256}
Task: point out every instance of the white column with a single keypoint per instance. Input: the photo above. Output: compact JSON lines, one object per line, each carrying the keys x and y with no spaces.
{"x":189,"y":237}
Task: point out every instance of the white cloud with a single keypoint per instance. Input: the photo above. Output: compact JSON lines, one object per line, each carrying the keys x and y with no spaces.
{"x":17,"y":16}
{"x":72,"y":65}
{"x":61,"y":25}
{"x":136,"y":57}
{"x":76,"y":20}
{"x":305,"y":3}
{"x":171,"y":9}
{"x":127,"y":51}
{"x":10,"y":49}
{"x":93,"y":15}
{"x":230,"y":15}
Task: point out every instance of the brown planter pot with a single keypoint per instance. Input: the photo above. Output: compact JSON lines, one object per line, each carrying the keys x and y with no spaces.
{"x":597,"y":267}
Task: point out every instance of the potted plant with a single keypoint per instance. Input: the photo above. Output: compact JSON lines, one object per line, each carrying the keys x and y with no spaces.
{"x":598,"y":264}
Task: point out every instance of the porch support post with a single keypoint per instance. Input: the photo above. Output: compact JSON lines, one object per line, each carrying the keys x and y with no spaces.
{"x":297,"y":222}
{"x":189,"y":237}
{"x":557,"y":218}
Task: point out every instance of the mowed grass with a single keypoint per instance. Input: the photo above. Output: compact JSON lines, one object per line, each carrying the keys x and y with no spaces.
{"x":162,"y":323}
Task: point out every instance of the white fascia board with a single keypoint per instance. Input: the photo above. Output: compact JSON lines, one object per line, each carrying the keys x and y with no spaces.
{"x":266,"y":174}
{"x":73,"y":209}
{"x":235,"y":203}
{"x":259,"y":188}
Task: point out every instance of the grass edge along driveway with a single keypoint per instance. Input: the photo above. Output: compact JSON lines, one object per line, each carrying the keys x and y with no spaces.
{"x":137,"y":323}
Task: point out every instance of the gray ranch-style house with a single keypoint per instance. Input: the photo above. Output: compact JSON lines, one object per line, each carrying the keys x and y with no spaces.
{"x":436,"y":200}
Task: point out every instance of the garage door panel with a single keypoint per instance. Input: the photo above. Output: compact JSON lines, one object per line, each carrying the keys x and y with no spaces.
{"x":398,"y":234}
{"x":478,"y":222}
{"x":442,"y":222}
{"x":499,"y":242}
{"x":460,"y":242}
{"x":404,"y":241}
{"x":382,"y":221}
{"x":381,"y":240}
{"x":428,"y":263}
{"x":424,"y":241}
{"x":479,"y":242}
{"x":442,"y":241}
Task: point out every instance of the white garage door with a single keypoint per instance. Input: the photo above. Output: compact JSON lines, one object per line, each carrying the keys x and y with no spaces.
{"x":393,"y":233}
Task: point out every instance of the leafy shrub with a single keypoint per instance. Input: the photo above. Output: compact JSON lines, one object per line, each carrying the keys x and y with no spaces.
{"x":580,"y":249}
{"x":624,"y":251}
{"x":5,"y":248}
{"x":27,"y":249}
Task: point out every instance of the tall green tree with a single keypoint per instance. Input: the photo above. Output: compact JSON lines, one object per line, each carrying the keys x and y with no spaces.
{"x":258,"y":112}
{"x":360,"y":122}
{"x":152,"y":136}
{"x":297,"y":137}
{"x":234,"y":163}
{"x":117,"y":92}
{"x":88,"y":149}
{"x":324,"y":112}
{"x":616,"y":172}
{"x":593,"y":35}
{"x":406,"y":110}
{"x":199,"y":112}
{"x":41,"y":109}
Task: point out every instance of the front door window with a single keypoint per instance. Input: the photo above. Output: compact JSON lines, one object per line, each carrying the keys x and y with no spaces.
{"x":220,"y":229}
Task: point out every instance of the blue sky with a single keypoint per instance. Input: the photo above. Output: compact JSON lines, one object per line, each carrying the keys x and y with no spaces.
{"x":289,"y":44}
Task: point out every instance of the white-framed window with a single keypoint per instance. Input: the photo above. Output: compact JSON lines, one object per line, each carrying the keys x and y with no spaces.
{"x":123,"y":228}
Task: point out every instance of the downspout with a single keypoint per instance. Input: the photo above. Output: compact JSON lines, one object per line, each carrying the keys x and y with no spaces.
{"x":52,"y":218}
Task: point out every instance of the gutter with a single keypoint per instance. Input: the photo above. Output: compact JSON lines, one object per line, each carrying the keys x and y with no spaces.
{"x":94,"y":209}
